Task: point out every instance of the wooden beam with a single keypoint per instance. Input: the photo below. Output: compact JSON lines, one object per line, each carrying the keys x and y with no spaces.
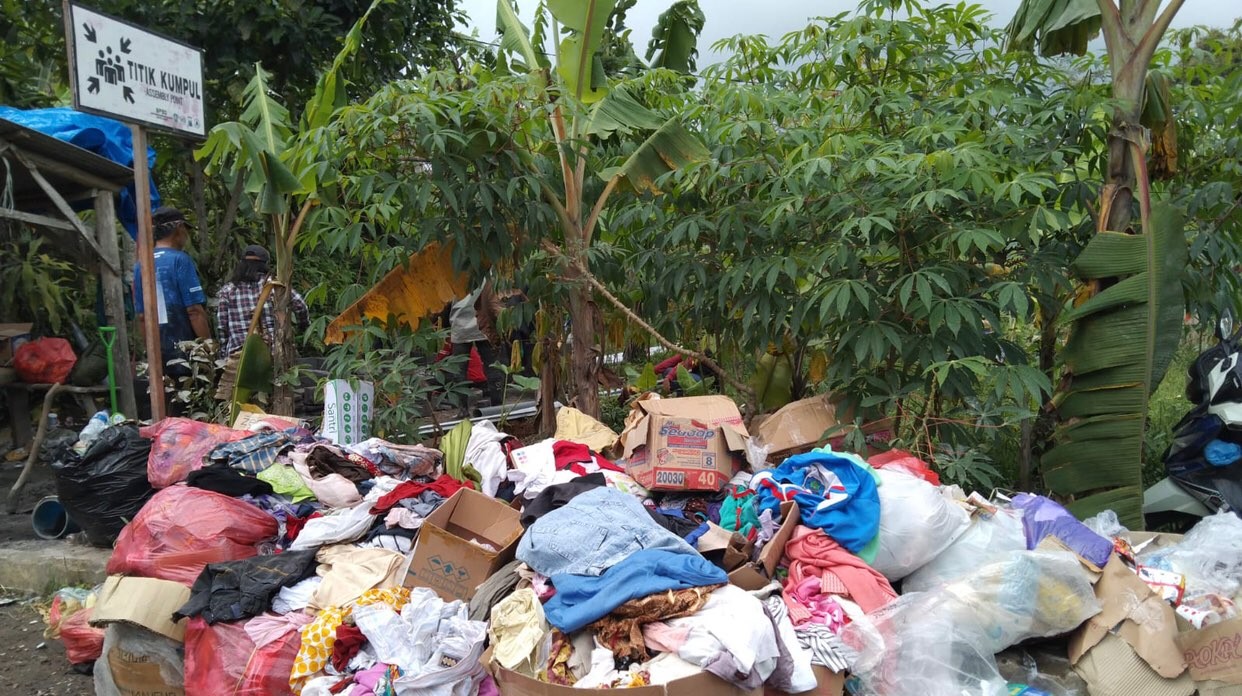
{"x":40,"y":220}
{"x":114,"y":301}
{"x":68,"y":171}
{"x":65,"y":209}
{"x":146,"y":259}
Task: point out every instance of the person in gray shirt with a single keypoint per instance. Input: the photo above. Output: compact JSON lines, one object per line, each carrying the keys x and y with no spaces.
{"x":465,"y":333}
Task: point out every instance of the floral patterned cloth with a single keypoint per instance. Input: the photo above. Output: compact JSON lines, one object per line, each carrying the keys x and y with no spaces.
{"x":319,"y":636}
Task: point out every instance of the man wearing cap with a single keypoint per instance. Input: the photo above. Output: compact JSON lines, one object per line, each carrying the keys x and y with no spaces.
{"x":179,"y":297}
{"x":237,"y":300}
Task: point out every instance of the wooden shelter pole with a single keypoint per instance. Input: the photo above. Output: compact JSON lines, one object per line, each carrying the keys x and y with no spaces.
{"x":114,"y":299}
{"x":146,"y":262}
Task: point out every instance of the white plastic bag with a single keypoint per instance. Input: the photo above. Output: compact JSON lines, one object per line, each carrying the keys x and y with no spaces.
{"x":144,"y":662}
{"x":916,"y":524}
{"x":987,"y":539}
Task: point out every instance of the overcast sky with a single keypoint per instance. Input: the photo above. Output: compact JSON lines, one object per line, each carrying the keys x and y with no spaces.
{"x":777,"y":17}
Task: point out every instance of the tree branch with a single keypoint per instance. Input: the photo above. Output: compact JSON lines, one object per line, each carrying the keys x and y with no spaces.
{"x":571,"y":192}
{"x":589,"y":229}
{"x":651,"y":330}
{"x":1146,"y":47}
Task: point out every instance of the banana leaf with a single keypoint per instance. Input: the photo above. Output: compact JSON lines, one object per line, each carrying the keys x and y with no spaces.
{"x":1121,"y":342}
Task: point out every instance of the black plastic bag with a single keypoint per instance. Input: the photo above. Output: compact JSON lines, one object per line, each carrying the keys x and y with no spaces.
{"x":104,"y":490}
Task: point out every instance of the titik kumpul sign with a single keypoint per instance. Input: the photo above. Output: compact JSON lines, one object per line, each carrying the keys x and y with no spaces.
{"x":134,"y":75}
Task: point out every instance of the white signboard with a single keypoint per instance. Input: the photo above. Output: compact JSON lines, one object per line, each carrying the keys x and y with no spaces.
{"x":134,"y":75}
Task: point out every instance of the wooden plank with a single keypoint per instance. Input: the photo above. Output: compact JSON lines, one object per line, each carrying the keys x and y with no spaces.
{"x":114,"y":301}
{"x":38,"y":220}
{"x":146,"y":259}
{"x":64,"y":207}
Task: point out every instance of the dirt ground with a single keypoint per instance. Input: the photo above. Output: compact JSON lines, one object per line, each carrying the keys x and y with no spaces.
{"x":31,"y":664}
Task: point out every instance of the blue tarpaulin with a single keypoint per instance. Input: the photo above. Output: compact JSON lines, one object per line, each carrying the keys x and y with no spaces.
{"x":102,"y":136}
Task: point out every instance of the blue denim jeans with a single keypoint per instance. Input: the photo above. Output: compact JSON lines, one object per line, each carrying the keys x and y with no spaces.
{"x":593,"y":532}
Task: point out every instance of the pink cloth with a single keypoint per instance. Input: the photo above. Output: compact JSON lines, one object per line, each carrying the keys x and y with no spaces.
{"x":809,"y":602}
{"x":366,"y":680}
{"x":812,"y":554}
{"x":661,"y":637}
{"x":269,"y":627}
{"x":488,"y":687}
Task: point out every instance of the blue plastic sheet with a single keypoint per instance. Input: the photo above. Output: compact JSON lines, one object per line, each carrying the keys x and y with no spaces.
{"x":103,"y":136}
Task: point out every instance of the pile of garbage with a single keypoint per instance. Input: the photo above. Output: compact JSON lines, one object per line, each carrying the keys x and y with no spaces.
{"x":683,"y":555}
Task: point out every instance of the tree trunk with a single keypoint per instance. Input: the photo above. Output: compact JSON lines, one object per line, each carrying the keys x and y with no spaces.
{"x":584,"y":359}
{"x":284,"y":353}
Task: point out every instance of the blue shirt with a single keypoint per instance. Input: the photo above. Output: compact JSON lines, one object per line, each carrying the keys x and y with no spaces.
{"x":177,"y":288}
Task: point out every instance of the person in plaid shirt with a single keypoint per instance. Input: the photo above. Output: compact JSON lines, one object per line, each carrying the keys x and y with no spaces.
{"x":237,"y":300}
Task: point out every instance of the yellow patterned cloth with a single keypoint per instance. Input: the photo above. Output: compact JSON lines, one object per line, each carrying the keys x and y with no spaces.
{"x":319,"y":636}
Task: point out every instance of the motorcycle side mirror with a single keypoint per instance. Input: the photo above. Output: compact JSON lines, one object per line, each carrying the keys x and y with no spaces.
{"x":1224,"y":328}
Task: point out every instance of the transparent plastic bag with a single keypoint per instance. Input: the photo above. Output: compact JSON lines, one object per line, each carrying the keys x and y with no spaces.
{"x":1106,"y":524}
{"x":1210,"y":556}
{"x":916,"y":523}
{"x":942,"y":643}
{"x":987,"y":539}
{"x":137,"y":661}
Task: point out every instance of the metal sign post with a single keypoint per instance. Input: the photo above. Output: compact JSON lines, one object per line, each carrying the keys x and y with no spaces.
{"x":124,"y":71}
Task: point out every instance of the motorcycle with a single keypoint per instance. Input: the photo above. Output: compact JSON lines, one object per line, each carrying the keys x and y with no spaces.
{"x":1204,"y":462}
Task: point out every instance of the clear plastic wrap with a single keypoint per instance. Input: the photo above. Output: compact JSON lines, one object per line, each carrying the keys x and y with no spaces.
{"x":916,"y":523}
{"x":987,"y":539}
{"x":942,"y":643}
{"x":1106,"y":524}
{"x":1210,"y":556}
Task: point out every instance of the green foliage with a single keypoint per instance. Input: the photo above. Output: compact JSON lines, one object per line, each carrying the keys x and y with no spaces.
{"x":36,"y":286}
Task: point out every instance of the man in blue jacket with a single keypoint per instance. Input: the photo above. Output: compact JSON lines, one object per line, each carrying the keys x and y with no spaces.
{"x":180,"y":300}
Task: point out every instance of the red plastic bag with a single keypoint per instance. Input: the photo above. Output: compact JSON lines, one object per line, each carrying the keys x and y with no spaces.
{"x":83,"y":642}
{"x":221,"y":660}
{"x":68,"y":621}
{"x":44,"y":361}
{"x":180,"y":530}
{"x":178,"y":446}
{"x":902,"y":460}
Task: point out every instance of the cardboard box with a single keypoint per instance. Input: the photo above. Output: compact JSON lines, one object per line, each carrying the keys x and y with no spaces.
{"x":830,"y":684}
{"x":144,"y":602}
{"x":347,"y":411}
{"x":805,"y":424}
{"x":12,"y":336}
{"x":756,"y":576}
{"x":694,"y":443}
{"x":1214,"y":654}
{"x":445,"y":559}
{"x":704,"y":684}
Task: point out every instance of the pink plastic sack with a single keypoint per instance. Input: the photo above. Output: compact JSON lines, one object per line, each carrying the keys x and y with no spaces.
{"x":180,"y":530}
{"x":906,"y":462}
{"x":178,"y":446}
{"x":222,"y":660}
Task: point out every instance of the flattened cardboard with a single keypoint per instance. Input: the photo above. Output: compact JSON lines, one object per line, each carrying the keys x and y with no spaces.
{"x":445,"y":560}
{"x":144,"y":602}
{"x":692,"y":443}
{"x":755,"y":576}
{"x":704,"y":684}
{"x":1214,"y":653}
{"x":1112,"y":668}
{"x":1132,"y":612}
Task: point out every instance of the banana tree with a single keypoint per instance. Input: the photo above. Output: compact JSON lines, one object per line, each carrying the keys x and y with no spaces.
{"x":267,"y":150}
{"x":1126,"y":328}
{"x":581,"y":108}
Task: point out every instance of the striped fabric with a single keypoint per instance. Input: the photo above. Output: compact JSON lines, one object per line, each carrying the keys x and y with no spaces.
{"x":825,"y":647}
